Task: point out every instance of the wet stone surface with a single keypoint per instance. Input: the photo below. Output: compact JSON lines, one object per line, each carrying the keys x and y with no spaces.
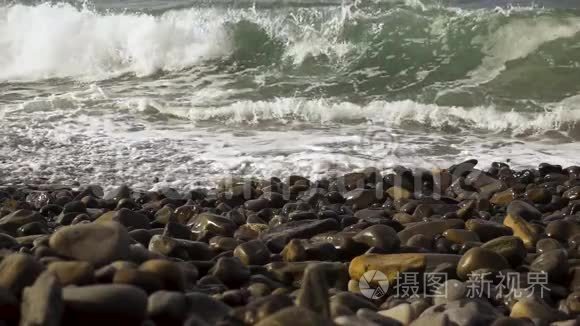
{"x":482,"y":246}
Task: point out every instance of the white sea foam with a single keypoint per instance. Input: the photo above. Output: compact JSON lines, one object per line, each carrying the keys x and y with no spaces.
{"x":121,"y":146}
{"x":562,"y":116}
{"x":59,"y":40}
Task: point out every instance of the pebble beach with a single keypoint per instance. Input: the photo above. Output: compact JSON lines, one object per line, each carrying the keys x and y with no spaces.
{"x":296,"y":251}
{"x":289,"y":163}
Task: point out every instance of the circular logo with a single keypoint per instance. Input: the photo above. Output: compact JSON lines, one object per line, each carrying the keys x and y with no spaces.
{"x":373,"y":284}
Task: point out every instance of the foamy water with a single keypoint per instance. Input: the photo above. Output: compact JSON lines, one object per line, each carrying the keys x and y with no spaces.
{"x":182,"y":95}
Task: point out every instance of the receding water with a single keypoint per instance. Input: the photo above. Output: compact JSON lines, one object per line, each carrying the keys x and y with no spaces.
{"x":179,"y":93}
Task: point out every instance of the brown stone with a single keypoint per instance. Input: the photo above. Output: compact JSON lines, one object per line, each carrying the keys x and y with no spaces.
{"x":72,"y":272}
{"x":461,"y":236}
{"x":169,"y":273}
{"x":98,"y":244}
{"x":42,"y":302}
{"x":145,"y":280}
{"x":18,"y":271}
{"x":393,"y":264}
{"x":480,"y":258}
{"x":430,"y":229}
{"x":503,"y":198}
{"x":522,"y":229}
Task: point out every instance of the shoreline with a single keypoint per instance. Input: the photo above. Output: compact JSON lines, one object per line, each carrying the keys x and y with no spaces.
{"x":364,"y":248}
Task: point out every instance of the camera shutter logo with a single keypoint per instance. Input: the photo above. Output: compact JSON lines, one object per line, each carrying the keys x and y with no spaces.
{"x":373,"y":284}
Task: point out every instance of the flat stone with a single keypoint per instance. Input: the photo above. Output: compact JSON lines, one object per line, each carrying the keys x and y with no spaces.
{"x":72,"y":272}
{"x":480,"y":258}
{"x":42,"y":302}
{"x":379,"y":236}
{"x":487,"y":230}
{"x":98,"y":244}
{"x":461,"y":236}
{"x":184,"y":249}
{"x":510,"y":247}
{"x":430,"y":229}
{"x":149,"y":282}
{"x":115,"y":303}
{"x":393,"y":264}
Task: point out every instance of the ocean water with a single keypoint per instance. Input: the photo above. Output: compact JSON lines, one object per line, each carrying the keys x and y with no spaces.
{"x":182,"y":93}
